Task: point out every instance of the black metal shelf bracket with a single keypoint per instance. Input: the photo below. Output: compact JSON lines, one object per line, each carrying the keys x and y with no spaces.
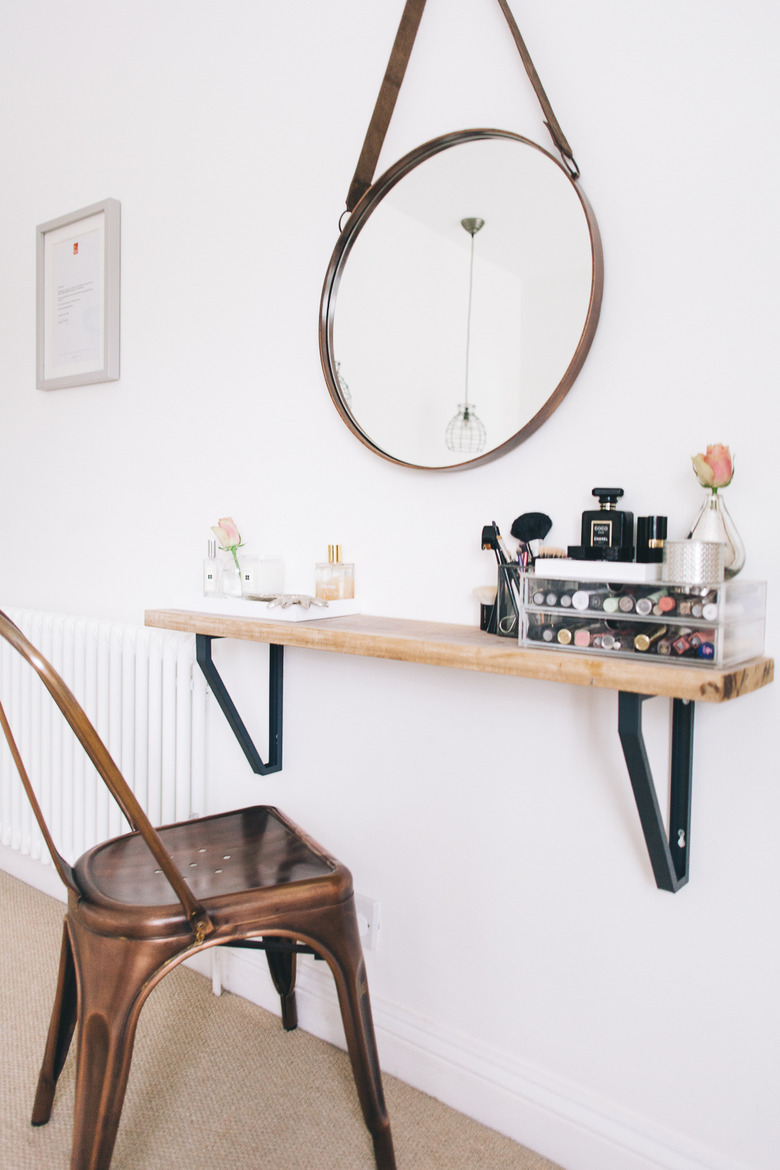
{"x":275,"y":697}
{"x":669,"y":852}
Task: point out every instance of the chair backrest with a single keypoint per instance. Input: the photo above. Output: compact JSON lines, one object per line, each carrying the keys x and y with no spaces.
{"x":106,"y":769}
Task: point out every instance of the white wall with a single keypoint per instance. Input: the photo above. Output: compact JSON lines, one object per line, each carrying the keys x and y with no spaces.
{"x":529,"y":971}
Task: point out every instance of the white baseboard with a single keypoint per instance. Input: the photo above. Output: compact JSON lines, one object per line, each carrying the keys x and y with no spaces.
{"x":39,"y":874}
{"x":562,"y":1121}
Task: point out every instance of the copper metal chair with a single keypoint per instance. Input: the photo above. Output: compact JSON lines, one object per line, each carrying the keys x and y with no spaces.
{"x":141,"y":903}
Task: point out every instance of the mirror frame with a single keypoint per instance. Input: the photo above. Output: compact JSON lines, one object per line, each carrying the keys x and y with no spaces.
{"x":368,"y":203}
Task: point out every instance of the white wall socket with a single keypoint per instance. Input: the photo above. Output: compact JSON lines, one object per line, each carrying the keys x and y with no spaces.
{"x":368,"y":921}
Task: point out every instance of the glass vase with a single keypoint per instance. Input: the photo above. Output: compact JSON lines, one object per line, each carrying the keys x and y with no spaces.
{"x":231,"y":579}
{"x":714,"y":523}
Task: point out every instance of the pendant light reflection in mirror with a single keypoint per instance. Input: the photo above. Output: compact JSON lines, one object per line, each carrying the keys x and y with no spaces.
{"x":465,"y":432}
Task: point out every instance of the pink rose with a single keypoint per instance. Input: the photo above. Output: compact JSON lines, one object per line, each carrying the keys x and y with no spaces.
{"x":716,"y":468}
{"x":227,"y":533}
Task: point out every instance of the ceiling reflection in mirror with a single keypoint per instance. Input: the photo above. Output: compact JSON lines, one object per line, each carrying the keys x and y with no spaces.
{"x":421,"y":318}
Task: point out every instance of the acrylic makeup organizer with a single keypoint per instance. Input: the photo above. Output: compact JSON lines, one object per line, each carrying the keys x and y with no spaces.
{"x":691,"y":625}
{"x":466,"y":648}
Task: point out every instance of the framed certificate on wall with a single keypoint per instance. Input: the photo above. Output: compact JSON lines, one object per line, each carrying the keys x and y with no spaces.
{"x":77,"y":287}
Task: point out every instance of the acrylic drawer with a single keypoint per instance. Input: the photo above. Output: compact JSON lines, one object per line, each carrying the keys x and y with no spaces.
{"x":716,"y":625}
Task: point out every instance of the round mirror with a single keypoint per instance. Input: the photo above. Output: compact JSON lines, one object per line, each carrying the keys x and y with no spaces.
{"x":461,"y":300}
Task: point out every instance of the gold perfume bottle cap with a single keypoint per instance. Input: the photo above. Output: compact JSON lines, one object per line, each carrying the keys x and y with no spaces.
{"x":334,"y":554}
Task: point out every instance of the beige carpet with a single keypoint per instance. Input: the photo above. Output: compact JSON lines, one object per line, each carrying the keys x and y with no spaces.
{"x":215,"y":1082}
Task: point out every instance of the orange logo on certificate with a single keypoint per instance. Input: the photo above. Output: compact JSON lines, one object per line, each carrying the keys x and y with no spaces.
{"x":76,"y":248}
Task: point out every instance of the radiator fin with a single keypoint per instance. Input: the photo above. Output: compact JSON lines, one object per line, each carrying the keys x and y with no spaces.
{"x":146,"y":697}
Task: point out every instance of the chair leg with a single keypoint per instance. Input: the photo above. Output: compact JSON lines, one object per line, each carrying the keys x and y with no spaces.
{"x":115,"y":976}
{"x":340,"y":945}
{"x":61,"y":1027}
{"x":281,"y":964}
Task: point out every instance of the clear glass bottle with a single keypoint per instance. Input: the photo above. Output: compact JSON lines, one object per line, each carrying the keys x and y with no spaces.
{"x":211,"y":572}
{"x":715,"y":524}
{"x":334,"y":579}
{"x":230,"y":578}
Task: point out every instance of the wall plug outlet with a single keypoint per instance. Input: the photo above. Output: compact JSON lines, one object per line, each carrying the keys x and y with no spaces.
{"x":368,"y":921}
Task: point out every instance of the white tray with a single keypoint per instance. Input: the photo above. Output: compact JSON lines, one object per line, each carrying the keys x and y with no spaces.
{"x":238,"y":607}
{"x":567,"y":569}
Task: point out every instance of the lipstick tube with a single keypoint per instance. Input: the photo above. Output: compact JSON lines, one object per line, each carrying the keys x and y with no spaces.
{"x":645,"y":605}
{"x":584,"y":635}
{"x":644,"y":641}
{"x":650,"y":538}
{"x":617,"y":637}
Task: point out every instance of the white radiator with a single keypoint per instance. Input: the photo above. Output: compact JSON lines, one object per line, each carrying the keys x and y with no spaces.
{"x":146,"y":697}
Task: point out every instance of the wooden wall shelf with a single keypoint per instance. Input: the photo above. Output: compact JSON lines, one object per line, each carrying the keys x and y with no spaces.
{"x":466,"y":648}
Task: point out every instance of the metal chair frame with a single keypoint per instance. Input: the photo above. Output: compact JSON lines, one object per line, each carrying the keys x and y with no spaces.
{"x":139,"y":904}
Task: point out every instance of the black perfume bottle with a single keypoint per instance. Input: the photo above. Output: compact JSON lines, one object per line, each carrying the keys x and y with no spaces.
{"x":608,"y":534}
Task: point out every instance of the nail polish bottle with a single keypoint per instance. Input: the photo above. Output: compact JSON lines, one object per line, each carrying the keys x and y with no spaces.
{"x":335,"y":580}
{"x":211,"y":572}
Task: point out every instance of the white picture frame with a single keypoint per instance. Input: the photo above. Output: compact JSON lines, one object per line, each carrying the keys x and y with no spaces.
{"x":77,"y":297}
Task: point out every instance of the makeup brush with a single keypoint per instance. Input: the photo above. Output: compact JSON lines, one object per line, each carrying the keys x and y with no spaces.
{"x":491,"y":539}
{"x":501,"y":545}
{"x":485,"y":594}
{"x":530,"y":529}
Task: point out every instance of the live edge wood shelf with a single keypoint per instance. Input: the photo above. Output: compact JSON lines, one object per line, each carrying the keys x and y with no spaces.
{"x":467,"y":648}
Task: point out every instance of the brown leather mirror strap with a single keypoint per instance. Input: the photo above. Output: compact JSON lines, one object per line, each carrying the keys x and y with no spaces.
{"x":391,"y":84}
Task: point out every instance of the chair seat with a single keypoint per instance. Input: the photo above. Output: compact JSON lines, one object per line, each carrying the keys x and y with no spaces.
{"x":223,"y":858}
{"x":250,"y":848}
